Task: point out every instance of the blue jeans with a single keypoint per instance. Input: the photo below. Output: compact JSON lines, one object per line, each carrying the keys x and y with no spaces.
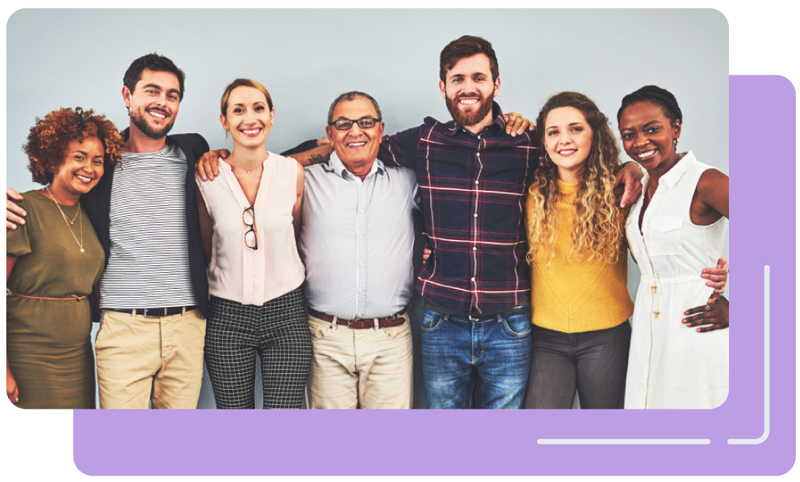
{"x":489,"y":356}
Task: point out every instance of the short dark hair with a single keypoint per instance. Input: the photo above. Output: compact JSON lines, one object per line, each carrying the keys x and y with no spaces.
{"x":467,"y":46}
{"x":154,"y":62}
{"x":658,"y":96}
{"x":353,"y":94}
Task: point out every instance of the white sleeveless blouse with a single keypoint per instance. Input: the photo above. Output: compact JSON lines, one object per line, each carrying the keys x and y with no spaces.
{"x":238,"y":273}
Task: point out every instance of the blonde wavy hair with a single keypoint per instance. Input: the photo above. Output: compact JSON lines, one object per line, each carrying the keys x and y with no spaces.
{"x":597,"y":232}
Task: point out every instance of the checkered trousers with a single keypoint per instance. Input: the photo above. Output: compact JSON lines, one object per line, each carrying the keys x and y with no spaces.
{"x":278,"y":332}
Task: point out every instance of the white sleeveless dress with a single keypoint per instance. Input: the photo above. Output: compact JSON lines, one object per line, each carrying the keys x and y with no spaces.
{"x":670,"y":365}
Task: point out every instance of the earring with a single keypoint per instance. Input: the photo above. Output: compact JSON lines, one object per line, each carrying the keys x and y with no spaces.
{"x":547,"y":157}
{"x":674,"y":143}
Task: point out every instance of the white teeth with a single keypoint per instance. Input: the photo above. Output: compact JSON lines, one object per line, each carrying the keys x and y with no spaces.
{"x":157,"y":114}
{"x":250,"y":132}
{"x":468,"y":101}
{"x":567,"y":152}
{"x":83,"y":178}
{"x":646,"y":154}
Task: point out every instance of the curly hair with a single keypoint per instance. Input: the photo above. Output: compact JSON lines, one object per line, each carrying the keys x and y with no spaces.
{"x":49,"y":138}
{"x":597,"y":230}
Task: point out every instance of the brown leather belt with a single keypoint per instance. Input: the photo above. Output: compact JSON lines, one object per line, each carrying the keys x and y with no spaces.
{"x":385,"y":322}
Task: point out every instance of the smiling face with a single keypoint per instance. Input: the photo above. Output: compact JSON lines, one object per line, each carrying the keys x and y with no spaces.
{"x":469,"y":91}
{"x":248,"y":117}
{"x":356,"y":147}
{"x":81,"y":170}
{"x":153,"y":104}
{"x":568,"y":141}
{"x":649,"y":136}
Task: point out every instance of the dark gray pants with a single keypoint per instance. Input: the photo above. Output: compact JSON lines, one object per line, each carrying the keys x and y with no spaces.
{"x":594,"y":363}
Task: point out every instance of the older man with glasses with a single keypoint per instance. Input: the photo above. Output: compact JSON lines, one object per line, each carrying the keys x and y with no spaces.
{"x":356,"y":240}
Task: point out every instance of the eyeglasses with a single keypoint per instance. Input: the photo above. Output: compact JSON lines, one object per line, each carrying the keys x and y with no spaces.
{"x":249,"y":219}
{"x":343,"y":124}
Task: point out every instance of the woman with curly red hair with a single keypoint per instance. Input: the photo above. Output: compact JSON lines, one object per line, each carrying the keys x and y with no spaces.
{"x":54,"y":260}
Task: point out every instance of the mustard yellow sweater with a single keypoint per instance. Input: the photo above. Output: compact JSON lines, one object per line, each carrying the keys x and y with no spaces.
{"x":577,"y":296}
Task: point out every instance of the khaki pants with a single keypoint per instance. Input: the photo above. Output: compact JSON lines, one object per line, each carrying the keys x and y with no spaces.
{"x":142,"y":359}
{"x":371,"y":367}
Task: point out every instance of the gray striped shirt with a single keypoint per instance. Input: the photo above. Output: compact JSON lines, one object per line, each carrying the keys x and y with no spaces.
{"x":148,"y":264}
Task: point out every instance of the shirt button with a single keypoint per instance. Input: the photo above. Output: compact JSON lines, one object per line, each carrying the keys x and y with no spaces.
{"x":474,"y":248}
{"x":476,"y":182}
{"x":473,"y":278}
{"x":475,"y":215}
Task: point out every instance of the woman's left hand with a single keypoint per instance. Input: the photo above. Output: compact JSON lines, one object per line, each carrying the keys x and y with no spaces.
{"x":516,"y":124}
{"x":712,"y":316}
{"x":717,"y":278}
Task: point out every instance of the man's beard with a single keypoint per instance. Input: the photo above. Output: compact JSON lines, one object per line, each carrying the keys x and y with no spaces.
{"x":469,"y":119}
{"x":147,"y":130}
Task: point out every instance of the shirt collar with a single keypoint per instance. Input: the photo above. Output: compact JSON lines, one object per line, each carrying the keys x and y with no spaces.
{"x":675,"y":174}
{"x":337,"y":167}
{"x":499,"y":122}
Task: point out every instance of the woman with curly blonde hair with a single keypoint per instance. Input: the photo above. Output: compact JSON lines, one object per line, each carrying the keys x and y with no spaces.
{"x":578,"y":257}
{"x":54,"y":260}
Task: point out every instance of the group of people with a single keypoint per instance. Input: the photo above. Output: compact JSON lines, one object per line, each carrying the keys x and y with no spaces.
{"x":224,"y":257}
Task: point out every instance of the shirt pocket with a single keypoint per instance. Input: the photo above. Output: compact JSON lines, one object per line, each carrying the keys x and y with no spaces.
{"x":665,"y":236}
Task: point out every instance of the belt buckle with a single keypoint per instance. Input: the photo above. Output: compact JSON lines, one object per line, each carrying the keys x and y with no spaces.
{"x":148,"y":312}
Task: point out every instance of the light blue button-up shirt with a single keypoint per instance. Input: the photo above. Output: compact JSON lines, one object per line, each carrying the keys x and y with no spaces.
{"x":357,"y":239}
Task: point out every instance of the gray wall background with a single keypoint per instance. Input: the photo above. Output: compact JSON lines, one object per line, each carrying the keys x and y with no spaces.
{"x":76,"y":57}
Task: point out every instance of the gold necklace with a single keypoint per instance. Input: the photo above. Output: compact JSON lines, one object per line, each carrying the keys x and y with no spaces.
{"x":80,"y":243}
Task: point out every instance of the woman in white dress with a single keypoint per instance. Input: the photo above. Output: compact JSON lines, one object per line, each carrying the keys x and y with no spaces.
{"x":676,"y":229}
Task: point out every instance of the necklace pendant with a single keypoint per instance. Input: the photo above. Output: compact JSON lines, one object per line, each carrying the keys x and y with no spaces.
{"x":83,"y":250}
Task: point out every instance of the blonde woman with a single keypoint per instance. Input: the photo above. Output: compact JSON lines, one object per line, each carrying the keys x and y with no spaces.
{"x":249,"y":217}
{"x":577,"y":251}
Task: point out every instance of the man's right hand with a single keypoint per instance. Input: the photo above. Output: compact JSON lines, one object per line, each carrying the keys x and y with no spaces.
{"x":14,"y":213}
{"x":207,"y":167}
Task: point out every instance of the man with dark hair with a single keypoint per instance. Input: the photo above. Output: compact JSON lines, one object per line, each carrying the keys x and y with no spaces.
{"x":154,"y":291}
{"x":475,"y":339}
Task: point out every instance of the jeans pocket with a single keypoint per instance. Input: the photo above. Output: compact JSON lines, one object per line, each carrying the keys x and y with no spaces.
{"x":431,"y":321}
{"x":518,"y":325}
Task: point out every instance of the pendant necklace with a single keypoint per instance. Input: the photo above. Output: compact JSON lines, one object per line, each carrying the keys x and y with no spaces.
{"x":80,"y":243}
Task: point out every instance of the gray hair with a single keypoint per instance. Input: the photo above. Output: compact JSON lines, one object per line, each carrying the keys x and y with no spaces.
{"x":353,"y":94}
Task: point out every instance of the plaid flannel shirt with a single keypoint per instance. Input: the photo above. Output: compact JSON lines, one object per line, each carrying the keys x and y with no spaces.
{"x":473,"y":198}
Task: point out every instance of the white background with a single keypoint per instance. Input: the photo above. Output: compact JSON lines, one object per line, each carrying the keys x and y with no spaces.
{"x":37,"y":445}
